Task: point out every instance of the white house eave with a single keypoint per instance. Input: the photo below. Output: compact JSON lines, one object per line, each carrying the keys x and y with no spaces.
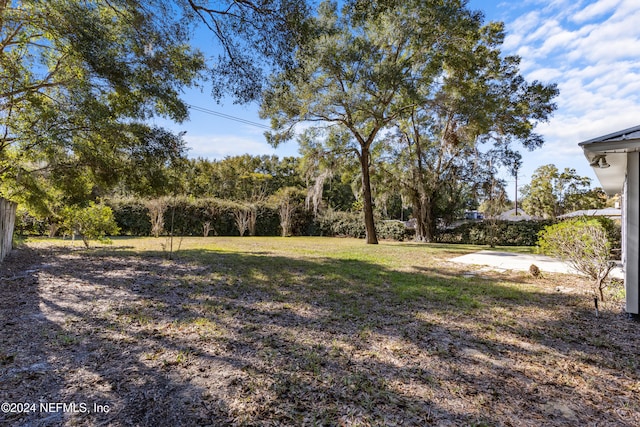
{"x":615,"y":146}
{"x":615,"y":151}
{"x":622,"y":135}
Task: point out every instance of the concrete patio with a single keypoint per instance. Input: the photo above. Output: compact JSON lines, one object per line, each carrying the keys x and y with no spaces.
{"x":504,"y":261}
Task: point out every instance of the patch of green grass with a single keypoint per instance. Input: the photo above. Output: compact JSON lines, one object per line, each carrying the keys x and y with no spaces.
{"x":65,"y":339}
{"x":339,"y":268}
{"x":514,"y":249}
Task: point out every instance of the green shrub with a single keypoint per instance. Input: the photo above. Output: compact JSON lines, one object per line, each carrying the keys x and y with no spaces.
{"x":613,"y":230}
{"x":131,"y":216}
{"x":583,"y":244}
{"x":191,"y":217}
{"x":342,"y":224}
{"x":501,"y":233}
{"x":351,"y":224}
{"x":93,"y":222}
{"x":268,"y":223}
{"x":29,"y":225}
{"x":393,"y":230}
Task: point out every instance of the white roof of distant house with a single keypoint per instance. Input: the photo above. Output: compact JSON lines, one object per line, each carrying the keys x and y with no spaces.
{"x":510,"y":215}
{"x":609,"y":212}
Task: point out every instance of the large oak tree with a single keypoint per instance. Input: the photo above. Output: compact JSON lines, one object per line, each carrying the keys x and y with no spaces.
{"x":429,"y":69}
{"x":364,"y":69}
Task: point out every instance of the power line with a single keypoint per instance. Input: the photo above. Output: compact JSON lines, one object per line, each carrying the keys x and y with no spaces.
{"x":228,"y":117}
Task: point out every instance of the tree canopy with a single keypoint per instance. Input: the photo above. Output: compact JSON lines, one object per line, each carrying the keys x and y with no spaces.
{"x":431,"y":70}
{"x":552,"y":193}
{"x":397,"y":98}
{"x":80,"y":80}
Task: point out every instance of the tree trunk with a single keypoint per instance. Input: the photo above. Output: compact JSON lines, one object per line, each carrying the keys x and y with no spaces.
{"x":425,"y":218}
{"x":419,"y":215}
{"x":429,"y":221}
{"x":600,"y":288}
{"x":367,"y":208}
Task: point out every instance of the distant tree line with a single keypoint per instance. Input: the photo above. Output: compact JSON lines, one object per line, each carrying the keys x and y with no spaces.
{"x":409,"y":109}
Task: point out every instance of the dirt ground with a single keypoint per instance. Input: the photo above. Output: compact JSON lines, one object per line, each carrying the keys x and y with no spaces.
{"x":107,"y":339}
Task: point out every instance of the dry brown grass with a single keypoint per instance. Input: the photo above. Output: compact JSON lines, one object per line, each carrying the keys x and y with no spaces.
{"x":306,"y":332}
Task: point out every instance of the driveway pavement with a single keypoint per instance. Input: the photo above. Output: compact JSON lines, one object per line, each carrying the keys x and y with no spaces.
{"x":503,"y":261}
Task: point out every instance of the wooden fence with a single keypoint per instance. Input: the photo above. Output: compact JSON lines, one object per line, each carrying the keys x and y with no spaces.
{"x":7,"y":222}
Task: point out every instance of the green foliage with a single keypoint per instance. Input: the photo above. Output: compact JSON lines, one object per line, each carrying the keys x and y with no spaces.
{"x":93,"y":222}
{"x":394,"y":230}
{"x":350,"y":224}
{"x":500,"y":233}
{"x":342,"y":224}
{"x":268,"y":221}
{"x":131,"y":216}
{"x":243,"y":178}
{"x":79,"y":79}
{"x":28,"y":224}
{"x":583,"y":244}
{"x":288,"y":200}
{"x":552,"y":193}
{"x":373,"y":66}
{"x":256,"y":37}
{"x":613,"y":231}
{"x":191,"y":217}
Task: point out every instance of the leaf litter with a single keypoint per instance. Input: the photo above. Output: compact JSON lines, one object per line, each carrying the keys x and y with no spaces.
{"x":143,"y":341}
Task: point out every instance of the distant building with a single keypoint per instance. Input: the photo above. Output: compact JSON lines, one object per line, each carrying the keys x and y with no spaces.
{"x":611,"y":213}
{"x":511,"y":215}
{"x":473,"y":215}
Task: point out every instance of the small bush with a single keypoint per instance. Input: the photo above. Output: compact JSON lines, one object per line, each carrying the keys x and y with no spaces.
{"x":583,"y":244}
{"x":393,"y":230}
{"x":93,"y":222}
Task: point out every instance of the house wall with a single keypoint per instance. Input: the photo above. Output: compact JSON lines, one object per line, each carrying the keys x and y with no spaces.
{"x":632,"y":232}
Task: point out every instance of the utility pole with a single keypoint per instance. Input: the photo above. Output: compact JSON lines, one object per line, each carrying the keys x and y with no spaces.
{"x":516,"y":170}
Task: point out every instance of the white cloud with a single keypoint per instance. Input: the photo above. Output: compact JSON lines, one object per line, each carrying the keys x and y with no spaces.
{"x":518,"y":29}
{"x":558,"y":40}
{"x":591,"y":50}
{"x":218,"y":146}
{"x":595,"y":10}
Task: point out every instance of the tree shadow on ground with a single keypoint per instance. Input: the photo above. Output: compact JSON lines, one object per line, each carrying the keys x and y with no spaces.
{"x":250,"y":339}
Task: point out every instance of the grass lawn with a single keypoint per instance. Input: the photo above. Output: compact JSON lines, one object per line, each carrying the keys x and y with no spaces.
{"x":305,"y":331}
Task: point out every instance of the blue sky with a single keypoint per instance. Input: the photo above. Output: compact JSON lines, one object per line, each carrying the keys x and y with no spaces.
{"x":590,"y":48}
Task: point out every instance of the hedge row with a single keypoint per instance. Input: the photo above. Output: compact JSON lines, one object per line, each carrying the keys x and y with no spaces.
{"x":350,"y":224}
{"x":508,"y":233}
{"x":499,"y":233}
{"x":190,"y":215}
